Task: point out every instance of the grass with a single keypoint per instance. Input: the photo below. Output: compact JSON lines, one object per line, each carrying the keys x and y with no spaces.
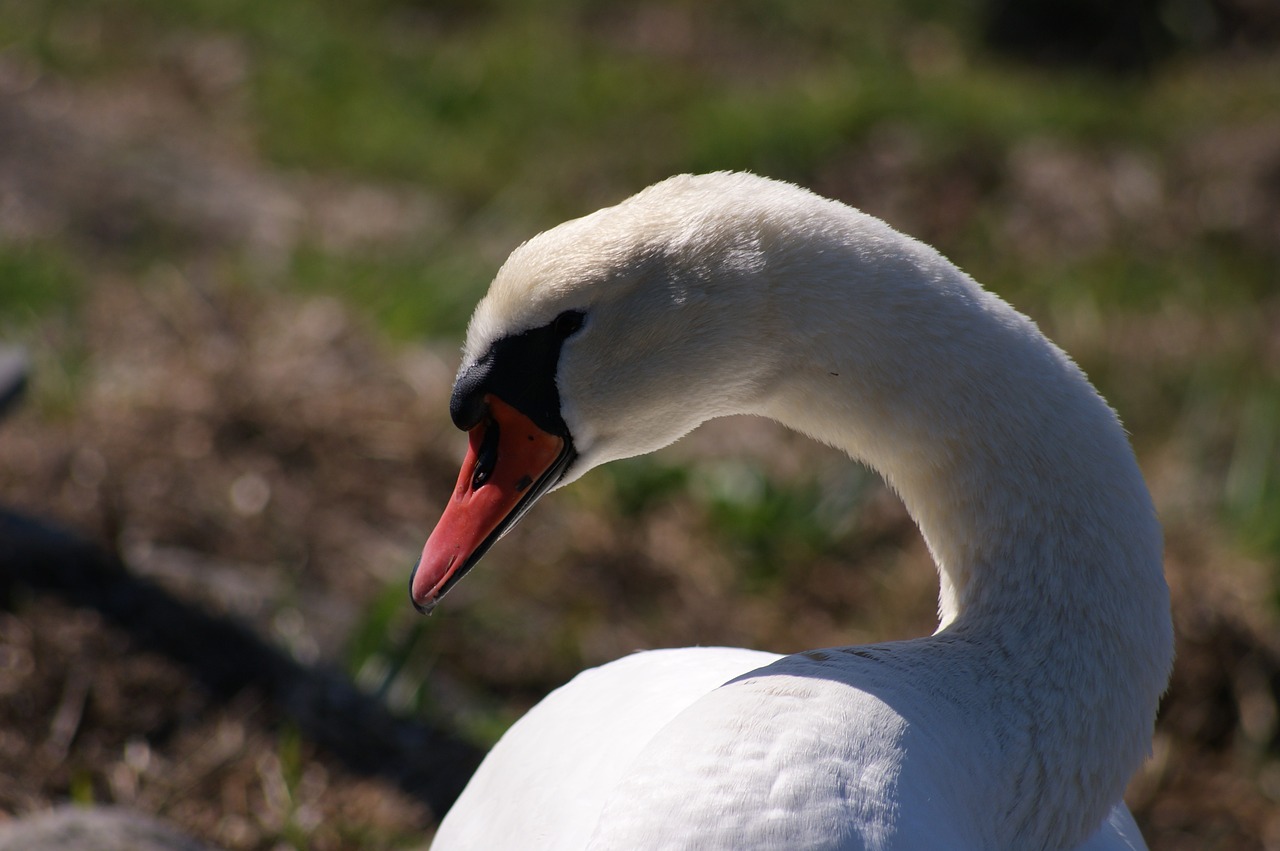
{"x":641,"y":484}
{"x":520,"y":114}
{"x":39,"y":279}
{"x":42,"y":294}
{"x":474,"y":102}
{"x":1252,"y":484}
{"x":771,"y":525}
{"x":553,"y":107}
{"x":411,"y":294}
{"x":392,"y":652}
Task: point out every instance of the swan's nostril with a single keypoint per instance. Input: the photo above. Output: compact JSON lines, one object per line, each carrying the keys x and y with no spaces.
{"x":487,"y":456}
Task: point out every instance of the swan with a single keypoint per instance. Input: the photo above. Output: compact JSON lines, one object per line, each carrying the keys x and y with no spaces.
{"x":1016,"y":725}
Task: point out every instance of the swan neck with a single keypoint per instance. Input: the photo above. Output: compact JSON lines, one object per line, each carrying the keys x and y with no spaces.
{"x":1052,"y":605}
{"x":1018,"y":474}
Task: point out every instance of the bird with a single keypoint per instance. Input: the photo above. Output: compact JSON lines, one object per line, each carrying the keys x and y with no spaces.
{"x":1015,"y":725}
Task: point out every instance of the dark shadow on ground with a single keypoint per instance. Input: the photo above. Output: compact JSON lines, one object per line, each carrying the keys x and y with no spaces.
{"x":428,"y":763}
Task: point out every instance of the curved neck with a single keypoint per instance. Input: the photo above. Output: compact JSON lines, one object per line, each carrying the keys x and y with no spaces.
{"x":1025,"y":488}
{"x":1013,"y":466}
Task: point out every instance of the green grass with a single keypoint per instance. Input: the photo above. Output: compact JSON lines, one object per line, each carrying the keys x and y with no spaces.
{"x":42,"y":294}
{"x":411,"y":294}
{"x":1220,"y":274}
{"x":641,"y":484}
{"x":539,"y":111}
{"x":392,"y":652}
{"x":477,"y":103}
{"x":37,"y":280}
{"x":776,"y":525}
{"x":1252,"y":484}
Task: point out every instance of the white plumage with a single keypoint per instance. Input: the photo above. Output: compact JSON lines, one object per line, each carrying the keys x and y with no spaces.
{"x":1017,"y":724}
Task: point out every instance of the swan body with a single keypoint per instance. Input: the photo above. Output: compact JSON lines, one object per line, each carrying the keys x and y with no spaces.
{"x":1015,"y":726}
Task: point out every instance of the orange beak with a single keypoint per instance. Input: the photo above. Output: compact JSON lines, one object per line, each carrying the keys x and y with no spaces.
{"x":510,"y":462}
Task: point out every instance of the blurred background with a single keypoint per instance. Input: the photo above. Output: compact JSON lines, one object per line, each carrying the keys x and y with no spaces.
{"x":239,"y":242}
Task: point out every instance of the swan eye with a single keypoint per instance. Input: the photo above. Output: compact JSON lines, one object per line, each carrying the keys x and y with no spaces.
{"x":567,"y":323}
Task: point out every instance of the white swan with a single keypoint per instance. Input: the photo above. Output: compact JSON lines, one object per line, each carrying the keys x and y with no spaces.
{"x":1015,"y":726}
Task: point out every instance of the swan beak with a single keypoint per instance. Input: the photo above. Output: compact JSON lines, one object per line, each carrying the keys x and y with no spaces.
{"x":510,"y":462}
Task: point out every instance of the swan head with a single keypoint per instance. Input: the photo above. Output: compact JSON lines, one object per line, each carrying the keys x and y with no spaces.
{"x":606,"y":337}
